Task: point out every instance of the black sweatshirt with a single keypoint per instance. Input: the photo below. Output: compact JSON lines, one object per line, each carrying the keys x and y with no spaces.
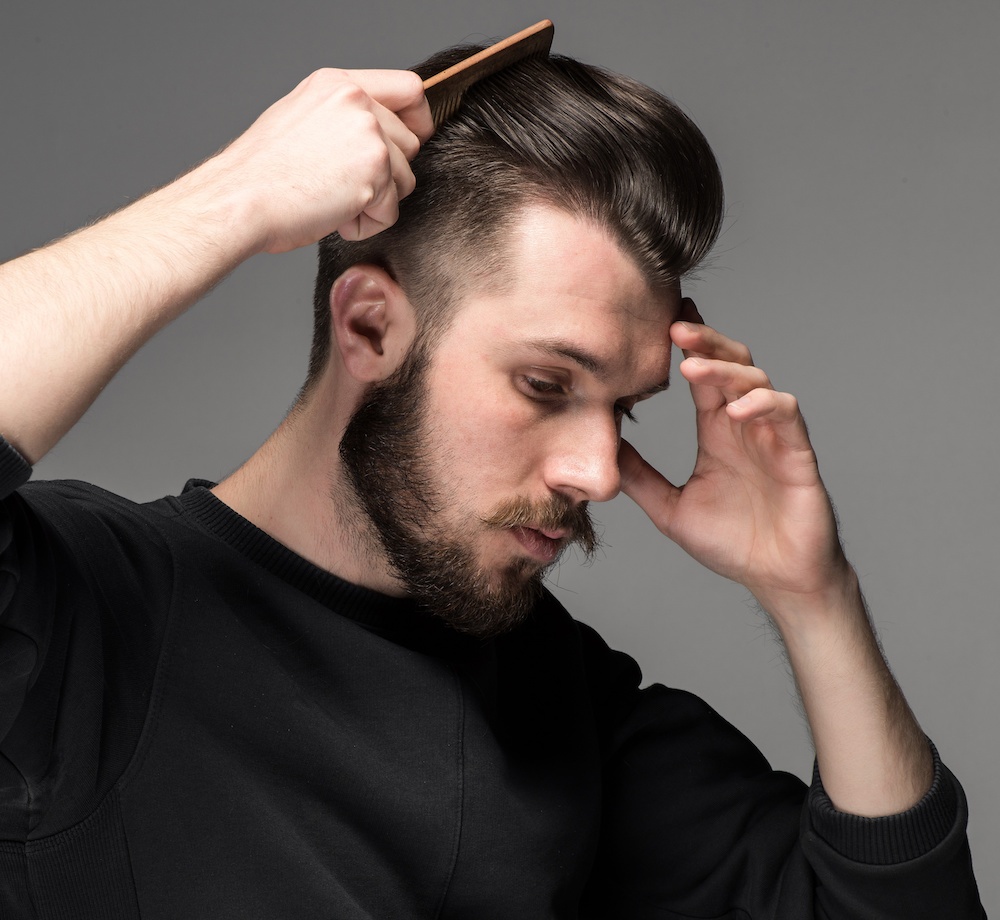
{"x":197,"y":723}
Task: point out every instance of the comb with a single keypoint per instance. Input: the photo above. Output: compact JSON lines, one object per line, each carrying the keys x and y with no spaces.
{"x":444,"y":91}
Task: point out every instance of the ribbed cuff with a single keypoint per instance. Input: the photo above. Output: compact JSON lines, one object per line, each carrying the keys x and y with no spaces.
{"x":894,"y":838}
{"x":15,"y":471}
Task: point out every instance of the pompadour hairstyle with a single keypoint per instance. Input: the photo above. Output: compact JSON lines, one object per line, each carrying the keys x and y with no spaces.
{"x":546,"y":131}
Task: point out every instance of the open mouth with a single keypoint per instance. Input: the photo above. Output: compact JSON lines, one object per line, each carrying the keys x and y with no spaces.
{"x":542,"y":545}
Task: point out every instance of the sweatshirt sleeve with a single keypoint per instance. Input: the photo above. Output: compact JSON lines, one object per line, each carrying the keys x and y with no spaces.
{"x":697,"y":824}
{"x":915,"y":864}
{"x":85,"y":587}
{"x":18,"y":651}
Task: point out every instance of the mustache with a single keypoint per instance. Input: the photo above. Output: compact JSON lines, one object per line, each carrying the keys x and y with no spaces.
{"x":558,"y":513}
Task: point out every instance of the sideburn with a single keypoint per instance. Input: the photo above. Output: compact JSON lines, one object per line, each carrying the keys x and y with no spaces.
{"x":381,"y":450}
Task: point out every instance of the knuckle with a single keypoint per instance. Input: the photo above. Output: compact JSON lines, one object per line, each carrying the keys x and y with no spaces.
{"x":315,"y":82}
{"x":366,"y":123}
{"x":367,"y":193}
{"x":349,"y":94}
{"x":328,"y":76}
{"x":377,"y":159}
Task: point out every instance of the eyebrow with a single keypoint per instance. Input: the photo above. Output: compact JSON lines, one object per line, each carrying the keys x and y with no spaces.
{"x":588,"y":361}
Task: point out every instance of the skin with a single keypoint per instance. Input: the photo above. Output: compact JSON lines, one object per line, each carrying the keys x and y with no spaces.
{"x":96,"y":296}
{"x":756,"y":480}
{"x":525,"y":419}
{"x":526,"y":391}
{"x":510,"y":414}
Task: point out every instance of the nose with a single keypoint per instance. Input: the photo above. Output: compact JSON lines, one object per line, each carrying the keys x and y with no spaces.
{"x":584,"y":463}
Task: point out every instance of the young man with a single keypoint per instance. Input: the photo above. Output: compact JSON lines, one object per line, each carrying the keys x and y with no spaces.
{"x":333,"y":683}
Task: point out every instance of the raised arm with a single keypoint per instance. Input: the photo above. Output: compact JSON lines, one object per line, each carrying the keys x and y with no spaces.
{"x":755,"y":510}
{"x":332,"y":155}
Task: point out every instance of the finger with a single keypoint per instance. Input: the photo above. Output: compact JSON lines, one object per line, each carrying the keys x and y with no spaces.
{"x":417,"y":117}
{"x":397,"y":90}
{"x":381,"y":214}
{"x":776,"y":407}
{"x":379,"y":211}
{"x":402,"y":93}
{"x":386,"y":209}
{"x":697,"y":340}
{"x":403,"y":181}
{"x":779,"y":415}
{"x":689,"y":312}
{"x":351,"y":231}
{"x":397,"y":132}
{"x":727,"y":379}
{"x":646,"y":486}
{"x":382,"y":211}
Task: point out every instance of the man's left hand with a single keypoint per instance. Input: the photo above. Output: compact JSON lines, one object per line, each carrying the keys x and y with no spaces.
{"x":754,"y":509}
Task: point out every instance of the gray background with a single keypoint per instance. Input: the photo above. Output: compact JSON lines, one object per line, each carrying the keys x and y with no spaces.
{"x":858,"y":142}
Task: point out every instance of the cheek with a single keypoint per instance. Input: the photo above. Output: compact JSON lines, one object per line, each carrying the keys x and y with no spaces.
{"x":493,"y":438}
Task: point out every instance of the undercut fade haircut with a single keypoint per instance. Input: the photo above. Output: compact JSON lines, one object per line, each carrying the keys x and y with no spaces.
{"x":549,"y":131}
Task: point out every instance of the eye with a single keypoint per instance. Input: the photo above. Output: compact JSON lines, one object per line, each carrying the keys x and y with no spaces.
{"x":540,"y":388}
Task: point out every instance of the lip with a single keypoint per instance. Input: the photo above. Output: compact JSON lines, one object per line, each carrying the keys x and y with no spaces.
{"x":542,"y":545}
{"x":559,"y":534}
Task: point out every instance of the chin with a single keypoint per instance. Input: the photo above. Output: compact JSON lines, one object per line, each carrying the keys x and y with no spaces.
{"x":498,"y":603}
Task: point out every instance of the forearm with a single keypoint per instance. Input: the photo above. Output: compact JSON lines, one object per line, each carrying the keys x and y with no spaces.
{"x":332,"y":155}
{"x":873,"y":758}
{"x":73,"y":313}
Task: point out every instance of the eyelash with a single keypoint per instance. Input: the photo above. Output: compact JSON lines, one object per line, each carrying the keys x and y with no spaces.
{"x":546,"y":389}
{"x":628,"y":414}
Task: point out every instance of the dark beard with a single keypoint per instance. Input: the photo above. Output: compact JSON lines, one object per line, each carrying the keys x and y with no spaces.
{"x":382,"y":449}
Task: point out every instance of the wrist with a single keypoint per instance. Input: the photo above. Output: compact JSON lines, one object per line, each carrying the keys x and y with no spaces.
{"x":872,"y":755}
{"x":222,"y":215}
{"x":835,"y":600}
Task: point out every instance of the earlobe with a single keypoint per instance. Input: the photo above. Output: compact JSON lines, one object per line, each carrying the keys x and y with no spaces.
{"x":373,"y":322}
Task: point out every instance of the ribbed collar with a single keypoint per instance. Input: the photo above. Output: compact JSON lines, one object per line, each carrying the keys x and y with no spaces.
{"x":398,"y":619}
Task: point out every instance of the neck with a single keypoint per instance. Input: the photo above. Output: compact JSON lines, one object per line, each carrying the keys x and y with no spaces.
{"x":295,"y":489}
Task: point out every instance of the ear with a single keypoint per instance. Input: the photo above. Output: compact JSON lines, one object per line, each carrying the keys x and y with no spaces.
{"x":373,"y":322}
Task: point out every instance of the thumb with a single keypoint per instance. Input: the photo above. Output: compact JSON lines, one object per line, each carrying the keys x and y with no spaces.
{"x":647,"y":486}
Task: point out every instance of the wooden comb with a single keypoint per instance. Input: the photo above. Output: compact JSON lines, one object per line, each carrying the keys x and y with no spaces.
{"x":444,"y":91}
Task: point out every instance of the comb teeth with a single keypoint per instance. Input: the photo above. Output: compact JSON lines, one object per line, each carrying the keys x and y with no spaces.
{"x":445,"y":90}
{"x":446,"y":105}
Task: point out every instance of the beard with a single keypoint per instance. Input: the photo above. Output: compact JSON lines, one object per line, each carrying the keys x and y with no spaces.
{"x":403,"y":494}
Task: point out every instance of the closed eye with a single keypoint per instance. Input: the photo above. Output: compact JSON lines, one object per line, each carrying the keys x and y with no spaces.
{"x":545,"y":390}
{"x":540,"y":388}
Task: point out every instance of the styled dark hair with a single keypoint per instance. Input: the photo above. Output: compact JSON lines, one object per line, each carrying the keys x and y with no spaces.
{"x":546,"y":131}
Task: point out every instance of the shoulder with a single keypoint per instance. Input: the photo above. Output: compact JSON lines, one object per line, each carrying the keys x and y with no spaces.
{"x":85,"y":539}
{"x":83,"y":511}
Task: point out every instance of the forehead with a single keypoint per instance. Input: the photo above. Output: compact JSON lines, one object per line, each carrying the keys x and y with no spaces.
{"x":569,"y":287}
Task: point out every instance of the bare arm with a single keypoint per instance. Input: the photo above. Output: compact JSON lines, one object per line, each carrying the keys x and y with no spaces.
{"x":755,"y":510}
{"x":332,"y":155}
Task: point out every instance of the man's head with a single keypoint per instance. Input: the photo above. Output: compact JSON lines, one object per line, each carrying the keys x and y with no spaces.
{"x":541,"y":252}
{"x":546,"y":131}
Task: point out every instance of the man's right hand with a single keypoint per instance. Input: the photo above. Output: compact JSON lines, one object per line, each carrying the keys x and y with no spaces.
{"x":332,"y":155}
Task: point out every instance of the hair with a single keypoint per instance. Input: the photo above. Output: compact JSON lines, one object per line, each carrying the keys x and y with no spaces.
{"x":552,"y":131}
